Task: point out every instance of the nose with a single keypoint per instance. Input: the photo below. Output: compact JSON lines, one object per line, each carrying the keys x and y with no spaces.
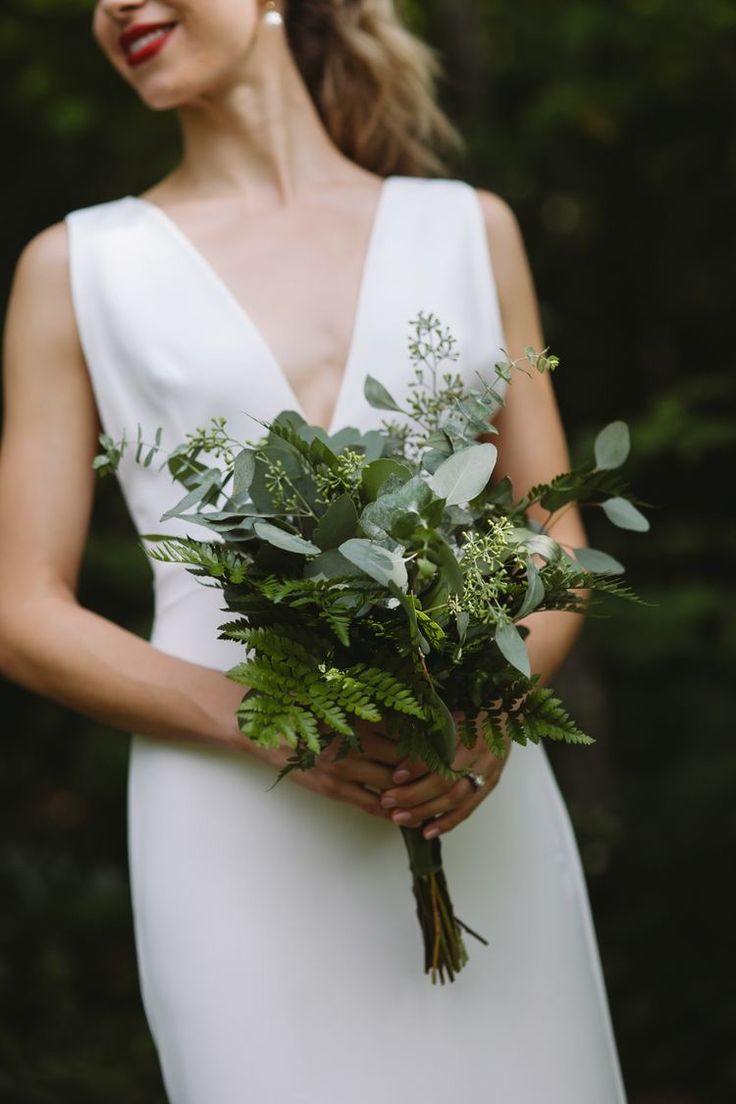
{"x":121,"y":10}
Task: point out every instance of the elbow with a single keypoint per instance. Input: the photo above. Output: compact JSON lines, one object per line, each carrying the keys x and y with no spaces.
{"x":10,"y":650}
{"x":18,"y":630}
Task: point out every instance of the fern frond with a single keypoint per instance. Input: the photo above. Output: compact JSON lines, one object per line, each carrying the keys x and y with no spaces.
{"x":493,"y":734}
{"x":388,"y":690}
{"x":466,"y":729}
{"x":542,"y":715}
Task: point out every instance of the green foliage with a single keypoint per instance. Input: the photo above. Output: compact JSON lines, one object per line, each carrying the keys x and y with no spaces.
{"x":336,"y":549}
{"x":294,"y":688}
{"x":543,"y":715}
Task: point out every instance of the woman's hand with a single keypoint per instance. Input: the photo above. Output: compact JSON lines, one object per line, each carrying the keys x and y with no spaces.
{"x":358,"y":779}
{"x":417,"y":794}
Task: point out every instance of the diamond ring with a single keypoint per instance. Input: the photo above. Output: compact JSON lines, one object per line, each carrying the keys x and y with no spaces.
{"x":476,"y":780}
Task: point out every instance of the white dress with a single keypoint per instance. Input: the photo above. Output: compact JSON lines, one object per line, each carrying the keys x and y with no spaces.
{"x":278,"y":948}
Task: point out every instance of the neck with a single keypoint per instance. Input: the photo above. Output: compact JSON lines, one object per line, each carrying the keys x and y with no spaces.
{"x":261,"y":138}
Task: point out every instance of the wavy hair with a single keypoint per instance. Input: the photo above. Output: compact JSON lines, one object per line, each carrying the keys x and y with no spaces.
{"x":374,"y":84}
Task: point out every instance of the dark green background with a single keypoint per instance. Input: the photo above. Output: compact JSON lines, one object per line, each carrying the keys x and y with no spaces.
{"x":607,"y":126}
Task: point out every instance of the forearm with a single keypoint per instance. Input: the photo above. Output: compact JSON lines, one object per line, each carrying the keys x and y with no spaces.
{"x":552,"y":634}
{"x":57,"y":648}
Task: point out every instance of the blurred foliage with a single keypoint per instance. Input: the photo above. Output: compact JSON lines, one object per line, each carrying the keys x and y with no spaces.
{"x":608,"y":128}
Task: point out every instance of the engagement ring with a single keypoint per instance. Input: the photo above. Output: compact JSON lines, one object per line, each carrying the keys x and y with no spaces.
{"x":477,"y":780}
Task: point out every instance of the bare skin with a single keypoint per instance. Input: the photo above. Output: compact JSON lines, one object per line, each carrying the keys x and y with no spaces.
{"x":259,"y":178}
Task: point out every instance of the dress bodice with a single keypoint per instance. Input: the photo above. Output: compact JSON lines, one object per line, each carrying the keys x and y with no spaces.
{"x":167,"y":344}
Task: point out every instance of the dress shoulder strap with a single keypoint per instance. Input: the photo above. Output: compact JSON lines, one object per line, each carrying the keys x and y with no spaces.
{"x":435,"y":257}
{"x":459,"y":222}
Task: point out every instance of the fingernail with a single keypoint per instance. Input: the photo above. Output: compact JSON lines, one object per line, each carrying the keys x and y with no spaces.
{"x":402,"y":816}
{"x":431,"y":833}
{"x":388,"y":802}
{"x":401,"y":776}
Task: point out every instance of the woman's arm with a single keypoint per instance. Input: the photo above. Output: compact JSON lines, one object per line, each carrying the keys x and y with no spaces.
{"x":48,"y":642}
{"x":532,"y":448}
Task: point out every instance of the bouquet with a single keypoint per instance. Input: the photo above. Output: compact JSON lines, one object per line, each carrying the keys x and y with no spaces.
{"x":382,"y":576}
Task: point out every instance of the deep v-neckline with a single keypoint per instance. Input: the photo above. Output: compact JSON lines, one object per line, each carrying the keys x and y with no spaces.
{"x":229,"y":297}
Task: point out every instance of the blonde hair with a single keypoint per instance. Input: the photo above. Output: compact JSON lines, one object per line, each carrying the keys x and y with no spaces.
{"x":373,"y":83}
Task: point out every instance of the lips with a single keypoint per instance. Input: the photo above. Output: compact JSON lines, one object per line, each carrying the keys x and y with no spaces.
{"x":142,"y":41}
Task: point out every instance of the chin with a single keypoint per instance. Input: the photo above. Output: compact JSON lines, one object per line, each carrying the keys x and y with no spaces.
{"x":163,"y":96}
{"x":165,"y":91}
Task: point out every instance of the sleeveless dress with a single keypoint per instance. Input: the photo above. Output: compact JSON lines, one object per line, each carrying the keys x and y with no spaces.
{"x":278,"y":948}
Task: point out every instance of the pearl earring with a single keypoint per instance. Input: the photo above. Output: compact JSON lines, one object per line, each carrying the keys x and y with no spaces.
{"x":272,"y":15}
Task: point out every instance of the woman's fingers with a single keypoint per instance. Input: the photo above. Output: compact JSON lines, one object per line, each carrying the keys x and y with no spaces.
{"x":448,"y":820}
{"x":449,"y":802}
{"x":327,"y":784}
{"x":409,"y":769}
{"x":354,"y":769}
{"x":379,"y":747}
{"x":354,"y":794}
{"x":359,"y":766}
{"x":452,"y":808}
{"x":445,"y":801}
{"x":416,"y":793}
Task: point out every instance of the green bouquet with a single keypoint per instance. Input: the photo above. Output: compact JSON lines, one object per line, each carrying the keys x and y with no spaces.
{"x":382,"y":576}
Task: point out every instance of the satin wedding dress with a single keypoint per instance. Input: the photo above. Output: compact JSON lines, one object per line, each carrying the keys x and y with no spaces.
{"x":278,"y":948}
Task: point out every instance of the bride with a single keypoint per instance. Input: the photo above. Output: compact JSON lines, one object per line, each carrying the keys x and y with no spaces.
{"x":281,"y":259}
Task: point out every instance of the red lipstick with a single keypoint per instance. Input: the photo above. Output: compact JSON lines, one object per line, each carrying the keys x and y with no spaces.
{"x":142,"y":41}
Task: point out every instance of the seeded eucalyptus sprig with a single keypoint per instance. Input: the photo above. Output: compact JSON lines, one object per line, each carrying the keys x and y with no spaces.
{"x":383,"y":577}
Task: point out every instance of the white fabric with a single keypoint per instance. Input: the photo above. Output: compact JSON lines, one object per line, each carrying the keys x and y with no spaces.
{"x":279,"y":952}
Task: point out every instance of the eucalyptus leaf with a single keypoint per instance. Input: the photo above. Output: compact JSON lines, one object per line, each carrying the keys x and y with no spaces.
{"x":599,"y":563}
{"x":289,"y":418}
{"x":331,"y":565}
{"x":376,"y":474}
{"x":612,"y":446}
{"x":450,"y":576}
{"x":464,"y":474}
{"x":337,"y":524}
{"x":308,"y":433}
{"x":378,"y":396}
{"x":458,"y":517}
{"x":462,"y":621}
{"x":375,"y":444}
{"x":501,"y":493}
{"x":432,"y":459}
{"x":347,"y":437}
{"x":194,"y":497}
{"x":538,"y":543}
{"x":185,"y":468}
{"x":379,"y":563}
{"x":625,"y":515}
{"x":512,"y":647}
{"x":288,"y":458}
{"x":288,"y":542}
{"x":534,"y":593}
{"x":438,"y":440}
{"x":243,"y":471}
{"x":398,"y":513}
{"x":406,"y":601}
{"x":443,"y":730}
{"x":321,"y":453}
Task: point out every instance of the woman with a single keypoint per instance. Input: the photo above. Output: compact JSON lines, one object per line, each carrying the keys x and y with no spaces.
{"x":277,"y":947}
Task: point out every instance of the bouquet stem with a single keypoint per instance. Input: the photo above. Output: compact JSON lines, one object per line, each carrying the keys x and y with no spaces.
{"x":444,"y":949}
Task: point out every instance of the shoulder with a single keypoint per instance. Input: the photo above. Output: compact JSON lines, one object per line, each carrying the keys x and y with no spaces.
{"x":501,"y":225}
{"x":40,"y":295}
{"x":41,"y":280}
{"x":45,"y":255}
{"x":506,"y":246}
{"x":45,"y":260}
